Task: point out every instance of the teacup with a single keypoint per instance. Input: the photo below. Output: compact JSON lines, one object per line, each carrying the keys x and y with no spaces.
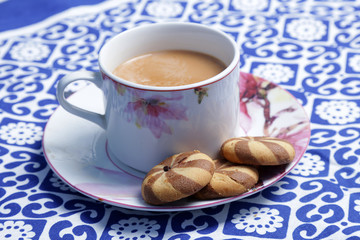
{"x":146,"y":124}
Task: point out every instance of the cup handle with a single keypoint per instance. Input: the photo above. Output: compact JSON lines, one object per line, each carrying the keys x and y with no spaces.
{"x":94,"y":77}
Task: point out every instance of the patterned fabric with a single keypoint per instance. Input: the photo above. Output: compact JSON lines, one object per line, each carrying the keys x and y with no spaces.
{"x":309,"y":47}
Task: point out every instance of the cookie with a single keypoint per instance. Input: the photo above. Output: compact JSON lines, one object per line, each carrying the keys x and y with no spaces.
{"x":258,"y":151}
{"x":229,"y":180}
{"x":177,"y":177}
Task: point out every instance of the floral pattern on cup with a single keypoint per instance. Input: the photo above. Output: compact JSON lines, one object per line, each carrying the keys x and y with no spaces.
{"x":201,"y":92}
{"x":152,"y":110}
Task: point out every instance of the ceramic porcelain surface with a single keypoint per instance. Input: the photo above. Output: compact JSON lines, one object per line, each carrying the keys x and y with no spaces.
{"x":77,"y":151}
{"x":161,"y":123}
{"x":163,"y":120}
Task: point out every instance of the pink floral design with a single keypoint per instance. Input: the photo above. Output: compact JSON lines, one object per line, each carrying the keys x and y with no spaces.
{"x":121,"y":89}
{"x":201,"y":92}
{"x":255,"y":89}
{"x":299,"y":139}
{"x":152,"y":112}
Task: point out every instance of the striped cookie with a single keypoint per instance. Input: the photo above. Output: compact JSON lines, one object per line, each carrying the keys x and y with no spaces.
{"x":229,"y":180}
{"x":258,"y":151}
{"x":177,"y":177}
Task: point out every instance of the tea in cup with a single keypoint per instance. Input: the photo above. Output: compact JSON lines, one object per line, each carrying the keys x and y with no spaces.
{"x":169,"y":68}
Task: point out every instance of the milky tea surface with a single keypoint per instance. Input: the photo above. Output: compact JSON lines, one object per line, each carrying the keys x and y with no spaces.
{"x":169,"y":68}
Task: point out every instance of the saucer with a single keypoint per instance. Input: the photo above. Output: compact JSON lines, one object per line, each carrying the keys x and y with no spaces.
{"x":76,"y":149}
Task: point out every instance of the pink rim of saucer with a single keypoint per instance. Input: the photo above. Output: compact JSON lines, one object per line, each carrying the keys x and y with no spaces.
{"x":210,"y":203}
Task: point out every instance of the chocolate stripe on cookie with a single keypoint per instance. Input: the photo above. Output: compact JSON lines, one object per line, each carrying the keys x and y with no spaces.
{"x":229,"y":179}
{"x":261,"y":152}
{"x":200,"y":163}
{"x":241,"y":177}
{"x":182,"y":157}
{"x":244,"y":153}
{"x":281,"y":155}
{"x":182,"y":183}
{"x":148,"y":190}
{"x":258,"y":151}
{"x":178,"y":176}
{"x":156,"y":169}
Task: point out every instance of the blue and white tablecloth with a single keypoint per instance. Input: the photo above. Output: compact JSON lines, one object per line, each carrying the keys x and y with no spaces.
{"x":309,"y":47}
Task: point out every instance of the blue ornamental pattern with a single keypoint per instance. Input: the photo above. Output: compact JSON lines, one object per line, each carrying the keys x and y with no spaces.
{"x":309,"y":47}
